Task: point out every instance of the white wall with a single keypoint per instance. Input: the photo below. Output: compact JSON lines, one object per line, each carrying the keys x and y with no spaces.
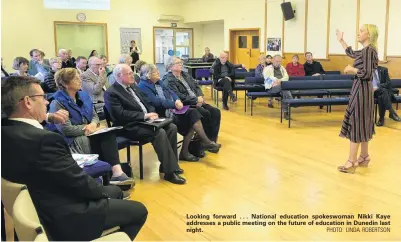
{"x":394,"y":29}
{"x":274,"y":23}
{"x":294,"y":29}
{"x":236,"y":14}
{"x":213,"y":37}
{"x":316,"y":38}
{"x":342,"y":17}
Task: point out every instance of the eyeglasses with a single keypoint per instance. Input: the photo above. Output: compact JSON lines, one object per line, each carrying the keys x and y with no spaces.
{"x":179,"y":63}
{"x":128,"y":73}
{"x":37,"y":95}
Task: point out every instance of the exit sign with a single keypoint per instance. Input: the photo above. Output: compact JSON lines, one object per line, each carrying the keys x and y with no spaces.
{"x":173,"y":25}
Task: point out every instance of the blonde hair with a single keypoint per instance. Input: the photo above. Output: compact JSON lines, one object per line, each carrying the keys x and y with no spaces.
{"x":64,"y":77}
{"x":54,"y":60}
{"x":373,"y":33}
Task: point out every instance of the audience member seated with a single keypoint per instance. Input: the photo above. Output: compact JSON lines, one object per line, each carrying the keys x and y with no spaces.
{"x":312,"y":68}
{"x":94,"y":82}
{"x":71,"y":205}
{"x":83,"y":122}
{"x":223,"y":76}
{"x":93,"y":53}
{"x":71,"y":59}
{"x":189,"y":92}
{"x":129,"y":108}
{"x":261,"y":66}
{"x":4,"y":73}
{"x":37,"y":64}
{"x":274,"y":75}
{"x":106,"y":66}
{"x":295,"y":68}
{"x":207,"y":56}
{"x":134,"y":51}
{"x":50,"y":84}
{"x":80,"y":64}
{"x":138,"y":66}
{"x":63,"y":54}
{"x":124,"y":59}
{"x":163,"y":99}
{"x":20,"y":65}
{"x":269,"y":60}
{"x":384,"y":94}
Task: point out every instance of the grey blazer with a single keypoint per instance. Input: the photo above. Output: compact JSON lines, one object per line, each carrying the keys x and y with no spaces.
{"x":93,"y":85}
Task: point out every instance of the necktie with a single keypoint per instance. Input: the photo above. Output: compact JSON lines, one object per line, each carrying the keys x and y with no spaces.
{"x":129,"y":89}
{"x":160,"y":93}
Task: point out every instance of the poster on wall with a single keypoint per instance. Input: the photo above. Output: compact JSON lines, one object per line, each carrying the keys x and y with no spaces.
{"x":126,"y":36}
{"x":273,"y":44}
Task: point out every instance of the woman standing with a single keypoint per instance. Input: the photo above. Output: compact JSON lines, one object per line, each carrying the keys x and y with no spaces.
{"x":358,"y":124}
{"x":134,"y":51}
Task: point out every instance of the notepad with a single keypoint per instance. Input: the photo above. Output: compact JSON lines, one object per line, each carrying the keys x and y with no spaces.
{"x":105,"y":130}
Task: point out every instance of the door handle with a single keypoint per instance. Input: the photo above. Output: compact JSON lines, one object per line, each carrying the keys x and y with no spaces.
{"x":250,"y":51}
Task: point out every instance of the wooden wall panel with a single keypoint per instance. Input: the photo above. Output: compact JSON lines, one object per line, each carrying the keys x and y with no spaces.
{"x":339,"y":62}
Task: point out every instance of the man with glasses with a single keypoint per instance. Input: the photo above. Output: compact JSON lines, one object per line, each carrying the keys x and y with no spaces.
{"x":71,"y":205}
{"x":130,"y":109}
{"x":189,"y":92}
{"x":94,"y":82}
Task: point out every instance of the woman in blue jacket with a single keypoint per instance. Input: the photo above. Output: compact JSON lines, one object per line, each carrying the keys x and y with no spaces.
{"x":84,"y":121}
{"x":165,"y":101}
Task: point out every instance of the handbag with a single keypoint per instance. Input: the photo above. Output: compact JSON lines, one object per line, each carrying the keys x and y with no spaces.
{"x":195,"y":147}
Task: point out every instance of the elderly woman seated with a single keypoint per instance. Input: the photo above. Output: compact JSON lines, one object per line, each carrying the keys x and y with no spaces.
{"x":83,"y":122}
{"x":20,"y":65}
{"x":49,"y":82}
{"x":164,"y":101}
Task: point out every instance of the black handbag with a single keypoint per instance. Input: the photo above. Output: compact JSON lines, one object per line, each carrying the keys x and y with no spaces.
{"x":195,"y":147}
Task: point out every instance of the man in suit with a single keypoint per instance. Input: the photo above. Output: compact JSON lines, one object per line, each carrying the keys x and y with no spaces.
{"x":94,"y":82}
{"x":71,"y":205}
{"x":384,"y":94}
{"x":37,"y":64}
{"x":189,"y":92}
{"x":129,"y":108}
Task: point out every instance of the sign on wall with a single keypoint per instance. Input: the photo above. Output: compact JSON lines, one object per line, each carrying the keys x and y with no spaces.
{"x":126,"y":36}
{"x":77,"y":4}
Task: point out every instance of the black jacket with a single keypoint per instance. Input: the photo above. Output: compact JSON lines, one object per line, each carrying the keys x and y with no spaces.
{"x":71,"y":205}
{"x":49,"y":82}
{"x":217,"y":70}
{"x":175,"y":85}
{"x":385,"y":81}
{"x":122,"y":107}
{"x":315,"y":67}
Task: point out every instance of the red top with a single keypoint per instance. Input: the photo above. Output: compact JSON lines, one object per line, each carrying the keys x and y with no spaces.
{"x":297,"y":70}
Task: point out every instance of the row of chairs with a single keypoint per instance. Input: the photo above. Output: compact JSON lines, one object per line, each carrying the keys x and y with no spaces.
{"x":18,"y":204}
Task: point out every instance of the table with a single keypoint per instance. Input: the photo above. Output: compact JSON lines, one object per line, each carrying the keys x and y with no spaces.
{"x":193,"y":66}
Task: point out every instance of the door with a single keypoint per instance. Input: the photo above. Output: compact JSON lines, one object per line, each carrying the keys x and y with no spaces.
{"x":172,"y":41}
{"x":246,"y":48}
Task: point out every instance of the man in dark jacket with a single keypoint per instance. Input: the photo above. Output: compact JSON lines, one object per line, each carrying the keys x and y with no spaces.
{"x":223,"y":76}
{"x":71,"y":205}
{"x":311,"y":67}
{"x":384,"y":94}
{"x":189,"y":92}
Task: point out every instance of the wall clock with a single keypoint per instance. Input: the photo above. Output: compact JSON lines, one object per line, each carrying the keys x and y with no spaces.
{"x":81,"y":17}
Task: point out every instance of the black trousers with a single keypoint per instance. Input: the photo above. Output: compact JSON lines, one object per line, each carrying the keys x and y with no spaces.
{"x":228,"y":87}
{"x":384,"y":96}
{"x":186,"y":121}
{"x":130,"y":216}
{"x":164,"y":142}
{"x":210,"y":121}
{"x":106,"y":146}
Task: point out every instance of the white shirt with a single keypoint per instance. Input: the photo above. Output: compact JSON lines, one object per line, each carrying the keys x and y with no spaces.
{"x":32,"y":122}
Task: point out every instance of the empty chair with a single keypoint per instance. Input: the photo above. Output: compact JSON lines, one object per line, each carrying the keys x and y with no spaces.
{"x":202,"y":73}
{"x":338,"y":77}
{"x":304,"y":78}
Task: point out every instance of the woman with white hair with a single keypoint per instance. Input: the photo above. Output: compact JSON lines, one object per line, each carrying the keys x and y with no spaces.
{"x":165,"y":102}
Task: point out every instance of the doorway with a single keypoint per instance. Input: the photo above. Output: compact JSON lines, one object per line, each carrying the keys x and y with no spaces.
{"x":172,"y":41}
{"x":245,"y":47}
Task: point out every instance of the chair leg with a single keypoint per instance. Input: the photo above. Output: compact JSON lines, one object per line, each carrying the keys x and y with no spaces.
{"x":251,"y":107}
{"x":245,"y":100}
{"x":289,"y":116}
{"x":140,"y":162}
{"x":281,"y":114}
{"x":376,"y":113}
{"x":217,"y":98}
{"x":128,"y":153}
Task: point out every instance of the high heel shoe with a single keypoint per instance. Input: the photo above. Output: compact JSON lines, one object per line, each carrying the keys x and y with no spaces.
{"x":350,"y":169}
{"x":365,"y":161}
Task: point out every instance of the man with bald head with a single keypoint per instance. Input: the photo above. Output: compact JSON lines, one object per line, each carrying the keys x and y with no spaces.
{"x":94,"y":82}
{"x":130,"y":109}
{"x":63,"y":54}
{"x":223,"y":76}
